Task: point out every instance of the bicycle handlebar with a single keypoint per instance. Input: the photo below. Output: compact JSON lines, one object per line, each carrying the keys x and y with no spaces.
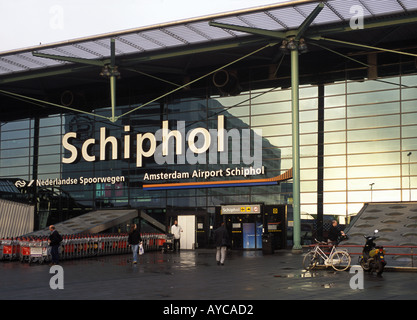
{"x":320,"y":242}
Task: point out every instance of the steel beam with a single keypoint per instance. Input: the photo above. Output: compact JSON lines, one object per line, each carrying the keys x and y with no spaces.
{"x":195,"y":50}
{"x":296,"y":190}
{"x":113,"y":80}
{"x":40,"y":74}
{"x":257,"y":31}
{"x":99,"y":63}
{"x":308,"y":21}
{"x":295,"y":151}
{"x":367,"y":47}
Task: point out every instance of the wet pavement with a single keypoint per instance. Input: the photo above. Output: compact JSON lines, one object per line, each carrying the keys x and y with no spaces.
{"x":194,"y":275}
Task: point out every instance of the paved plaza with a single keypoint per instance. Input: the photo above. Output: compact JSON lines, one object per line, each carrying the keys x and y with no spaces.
{"x":194,"y":275}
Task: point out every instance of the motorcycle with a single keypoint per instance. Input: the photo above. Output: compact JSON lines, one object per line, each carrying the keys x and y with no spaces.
{"x":372,"y":258}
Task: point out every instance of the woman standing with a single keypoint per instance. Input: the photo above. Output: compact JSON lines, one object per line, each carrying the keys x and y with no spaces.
{"x":134,"y":240}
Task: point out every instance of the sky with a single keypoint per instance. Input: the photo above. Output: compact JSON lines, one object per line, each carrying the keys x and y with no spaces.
{"x":27,"y":23}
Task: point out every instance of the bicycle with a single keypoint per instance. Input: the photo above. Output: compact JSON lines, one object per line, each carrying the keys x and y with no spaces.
{"x":338,"y":259}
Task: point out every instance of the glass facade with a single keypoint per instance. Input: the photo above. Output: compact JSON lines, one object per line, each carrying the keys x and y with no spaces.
{"x":369,"y":132}
{"x":358,"y":144}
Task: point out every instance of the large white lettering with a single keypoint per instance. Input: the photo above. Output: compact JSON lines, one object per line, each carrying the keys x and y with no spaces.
{"x":104,"y":141}
{"x":139,"y":147}
{"x":213,"y":145}
{"x":69,"y":147}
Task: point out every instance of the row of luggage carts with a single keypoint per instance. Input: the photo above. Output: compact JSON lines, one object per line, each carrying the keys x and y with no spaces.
{"x":77,"y":246}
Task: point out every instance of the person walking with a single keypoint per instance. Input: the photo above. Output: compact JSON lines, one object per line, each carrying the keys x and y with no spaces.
{"x":221,"y":239}
{"x":176,"y":231}
{"x":134,"y":239}
{"x":54,"y":240}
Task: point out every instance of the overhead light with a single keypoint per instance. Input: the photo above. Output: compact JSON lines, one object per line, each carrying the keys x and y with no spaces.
{"x":108,"y":72}
{"x":302,"y":46}
{"x":116,"y":72}
{"x":283,"y":47}
{"x":105,"y":72}
{"x":291,"y":45}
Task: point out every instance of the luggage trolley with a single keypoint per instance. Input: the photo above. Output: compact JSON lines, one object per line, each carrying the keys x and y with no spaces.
{"x":45,"y":250}
{"x":24,"y":250}
{"x":7,"y":249}
{"x":168,"y":245}
{"x":36,"y":251}
{"x":15,"y":249}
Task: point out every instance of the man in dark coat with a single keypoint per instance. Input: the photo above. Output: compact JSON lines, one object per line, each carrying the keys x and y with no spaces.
{"x":134,"y":240}
{"x":54,"y":241}
{"x":221,"y":239}
{"x":335,"y":233}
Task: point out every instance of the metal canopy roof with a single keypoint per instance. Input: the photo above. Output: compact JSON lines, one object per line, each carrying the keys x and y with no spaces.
{"x":157,"y":61}
{"x":184,"y":34}
{"x":91,"y":222}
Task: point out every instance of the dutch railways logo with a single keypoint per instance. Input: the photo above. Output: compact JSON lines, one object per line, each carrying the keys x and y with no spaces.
{"x":69,"y":181}
{"x":22,"y":183}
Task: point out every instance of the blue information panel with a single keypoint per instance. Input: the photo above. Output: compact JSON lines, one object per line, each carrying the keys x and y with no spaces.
{"x":252,"y":235}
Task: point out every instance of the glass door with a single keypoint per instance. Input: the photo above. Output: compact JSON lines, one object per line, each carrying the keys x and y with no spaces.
{"x":252,"y":235}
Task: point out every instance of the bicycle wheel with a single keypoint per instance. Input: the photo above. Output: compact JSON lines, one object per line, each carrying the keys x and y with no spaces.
{"x":340,"y":260}
{"x":310,"y":260}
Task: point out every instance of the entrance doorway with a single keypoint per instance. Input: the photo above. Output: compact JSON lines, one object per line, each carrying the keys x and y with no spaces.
{"x":252,"y":235}
{"x":245,"y":223}
{"x":248,"y":223}
{"x":195,"y":225}
{"x":187,"y":224}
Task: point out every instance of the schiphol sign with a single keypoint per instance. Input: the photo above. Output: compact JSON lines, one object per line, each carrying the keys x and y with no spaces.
{"x":241,"y":209}
{"x":205,"y":146}
{"x":205,"y":174}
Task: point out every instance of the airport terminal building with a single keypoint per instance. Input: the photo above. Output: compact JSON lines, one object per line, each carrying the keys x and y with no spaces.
{"x":305,"y":109}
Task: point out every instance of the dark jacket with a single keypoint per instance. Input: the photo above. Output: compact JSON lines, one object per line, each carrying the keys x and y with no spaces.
{"x":55,"y":238}
{"x":334,"y":233}
{"x":134,"y":237}
{"x":221,"y":237}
